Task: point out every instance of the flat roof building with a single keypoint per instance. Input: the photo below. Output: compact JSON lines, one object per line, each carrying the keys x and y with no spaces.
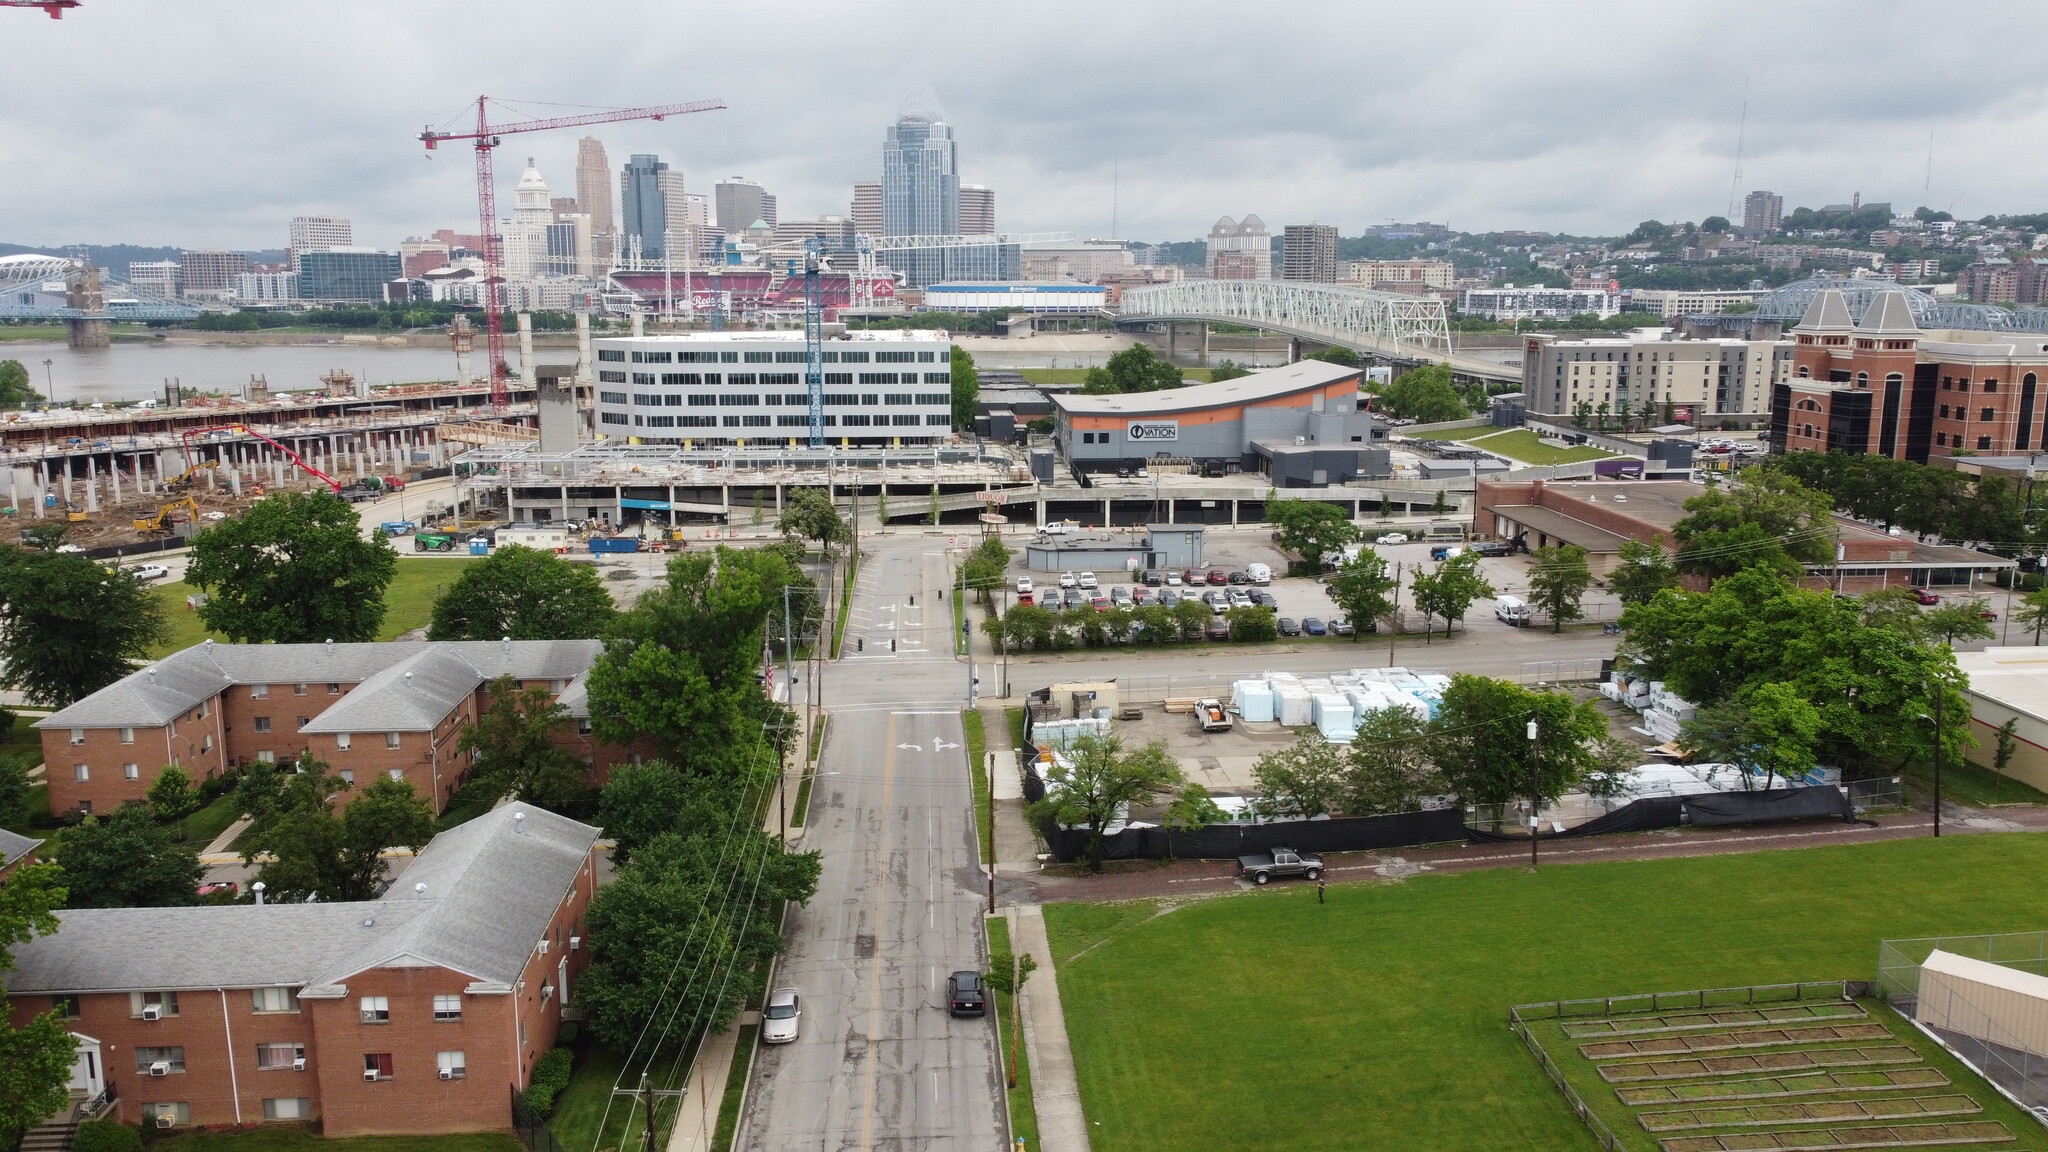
{"x":1683,"y":380}
{"x":1020,"y":297}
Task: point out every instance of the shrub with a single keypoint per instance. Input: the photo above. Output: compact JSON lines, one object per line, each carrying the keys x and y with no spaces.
{"x":106,"y":1136}
{"x":550,"y":1076}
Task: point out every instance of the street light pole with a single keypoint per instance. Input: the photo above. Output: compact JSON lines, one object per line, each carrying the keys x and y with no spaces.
{"x":1938,"y":694}
{"x":1535,"y":794}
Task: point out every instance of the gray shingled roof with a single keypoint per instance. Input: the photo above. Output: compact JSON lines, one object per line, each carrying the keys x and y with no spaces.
{"x":492,"y":885}
{"x":410,"y":696}
{"x":160,"y":693}
{"x":14,"y":846}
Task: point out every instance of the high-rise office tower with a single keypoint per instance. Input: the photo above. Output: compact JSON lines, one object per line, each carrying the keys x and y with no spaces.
{"x":318,"y":233}
{"x":594,"y":196}
{"x":867,"y":207}
{"x":738,"y":202}
{"x":920,"y":176}
{"x":679,"y":238}
{"x":210,"y":272}
{"x":643,"y":210}
{"x":1309,"y":252}
{"x":526,"y":237}
{"x":563,"y":206}
{"x":1761,"y":212}
{"x":977,"y":210}
{"x":1240,"y":250}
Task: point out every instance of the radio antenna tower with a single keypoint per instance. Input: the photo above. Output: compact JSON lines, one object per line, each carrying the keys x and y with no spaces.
{"x":1741,"y":131}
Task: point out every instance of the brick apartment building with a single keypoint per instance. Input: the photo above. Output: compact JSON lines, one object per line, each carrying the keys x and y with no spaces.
{"x":420,"y":1012}
{"x":1887,"y":387}
{"x":394,"y":708}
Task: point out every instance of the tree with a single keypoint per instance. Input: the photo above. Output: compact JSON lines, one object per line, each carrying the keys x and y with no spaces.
{"x":809,"y":514}
{"x":1100,"y":782}
{"x":966,"y":389}
{"x":1228,"y":370}
{"x":1642,"y":571}
{"x":986,"y":567}
{"x":934,"y":514}
{"x":2001,"y":756}
{"x":642,"y":801}
{"x":1481,"y":744}
{"x":1192,"y":616}
{"x":35,"y":1058}
{"x":172,"y":797}
{"x":1955,"y":620}
{"x":68,"y":627}
{"x":14,"y":790}
{"x":1424,"y":395}
{"x":15,"y":389}
{"x":1335,"y":354}
{"x":293,"y":569}
{"x":1138,"y":369}
{"x":513,"y":750}
{"x":1767,"y":727}
{"x":882,"y":506}
{"x":759,"y":513}
{"x":1364,"y":591}
{"x":1252,"y":622}
{"x":1716,"y":224}
{"x":1388,"y":767}
{"x":1766,"y":518}
{"x":523,"y":593}
{"x":1311,"y":529}
{"x":1440,"y":505}
{"x":1304,"y":780}
{"x":1192,"y":810}
{"x":1098,"y":382}
{"x":2033,"y":612}
{"x":1648,"y":232}
{"x":1450,"y":590}
{"x":1892,"y":608}
{"x":316,"y":852}
{"x":1559,"y":581}
{"x":126,"y":860}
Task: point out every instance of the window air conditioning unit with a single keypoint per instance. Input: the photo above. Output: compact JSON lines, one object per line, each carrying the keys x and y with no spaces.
{"x":166,"y":1121}
{"x":160,"y":1068}
{"x":547,"y":990}
{"x":152,"y":1011}
{"x":369,"y":1073}
{"x":543,"y":947}
{"x":299,"y":1064}
{"x":447,"y":1073}
{"x":575,"y":942}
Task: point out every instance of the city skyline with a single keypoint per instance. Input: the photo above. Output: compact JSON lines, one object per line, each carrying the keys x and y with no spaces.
{"x":1509,"y":140}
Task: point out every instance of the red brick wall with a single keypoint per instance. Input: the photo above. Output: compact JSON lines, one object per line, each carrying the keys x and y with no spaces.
{"x":415,"y":1099}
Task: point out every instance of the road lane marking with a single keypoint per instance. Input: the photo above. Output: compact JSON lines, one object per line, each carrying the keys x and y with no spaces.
{"x":874,"y":1053}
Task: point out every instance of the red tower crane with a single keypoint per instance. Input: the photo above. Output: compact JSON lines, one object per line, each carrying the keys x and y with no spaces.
{"x":54,"y":7}
{"x":486,"y":138}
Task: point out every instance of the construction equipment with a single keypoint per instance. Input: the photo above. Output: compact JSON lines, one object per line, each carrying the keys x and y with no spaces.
{"x":333,"y":485}
{"x":54,"y":7}
{"x":185,"y":479}
{"x":486,"y":137}
{"x":163,"y":520}
{"x":818,"y":251}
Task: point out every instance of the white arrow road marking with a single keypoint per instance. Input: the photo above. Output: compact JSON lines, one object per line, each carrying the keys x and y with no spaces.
{"x":912,"y":747}
{"x":940,"y":745}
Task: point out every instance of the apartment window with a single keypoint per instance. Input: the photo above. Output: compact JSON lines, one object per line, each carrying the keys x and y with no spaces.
{"x":333,"y":689}
{"x":1944,"y":411}
{"x":206,"y":743}
{"x":397,"y":774}
{"x":262,"y":723}
{"x":80,"y":773}
{"x":288,"y":1108}
{"x":278,"y":1057}
{"x":376,"y":1065}
{"x":348,"y":777}
{"x":896,"y":398}
{"x":450,"y":1065}
{"x":174,"y":1055}
{"x":1988,"y":414}
{"x":1983,"y":441}
{"x":166,"y":1003}
{"x":180,"y":1113}
{"x":66,"y":1007}
{"x":341,"y":741}
{"x":127,"y":735}
{"x":942,"y":419}
{"x":303,"y":721}
{"x":613,"y":397}
{"x":77,"y":737}
{"x":901,"y":420}
{"x":376,"y":1009}
{"x":1991,"y":385}
{"x":131,"y":771}
{"x":273,"y":1000}
{"x":611,"y":417}
{"x":259,"y":691}
{"x":298,"y":689}
{"x":447,"y":1009}
{"x":391,"y":739}
{"x":761,"y":421}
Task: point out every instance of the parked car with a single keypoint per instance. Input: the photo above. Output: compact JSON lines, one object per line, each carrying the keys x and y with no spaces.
{"x":150,"y":571}
{"x":1218,"y":576}
{"x":1263,"y":598}
{"x":1144,"y":595}
{"x":1211,"y":715}
{"x":1069,"y":580}
{"x":1924,"y":596}
{"x":1446,"y":551}
{"x":1258,"y":573}
{"x":1061,"y":528}
{"x":1288,"y":626}
{"x":1023,"y":585}
{"x":1314,"y":627}
{"x":1169,"y":596}
{"x":1342,"y":627}
{"x":1393,"y":538}
{"x":1099,"y":602}
{"x":1173,"y":578}
{"x":1086,"y":580}
{"x":1279,"y":862}
{"x":964,"y":994}
{"x":1238,"y":599}
{"x":1238,"y":578}
{"x":220,"y":887}
{"x":1152,"y":578}
{"x":1193,"y":576}
{"x":1120,"y":594}
{"x":1217,"y":629}
{"x":780,"y":1016}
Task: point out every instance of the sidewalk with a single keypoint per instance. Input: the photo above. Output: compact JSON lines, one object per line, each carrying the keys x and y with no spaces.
{"x":1055,"y":1093}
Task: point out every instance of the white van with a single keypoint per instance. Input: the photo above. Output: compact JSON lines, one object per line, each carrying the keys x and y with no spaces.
{"x":1511,"y":610}
{"x":1258,"y":573}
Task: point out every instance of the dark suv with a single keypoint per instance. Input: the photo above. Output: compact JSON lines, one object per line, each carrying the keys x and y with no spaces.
{"x":963,"y":993}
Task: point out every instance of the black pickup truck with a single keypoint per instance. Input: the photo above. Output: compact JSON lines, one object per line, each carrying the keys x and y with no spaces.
{"x":1279,"y":862}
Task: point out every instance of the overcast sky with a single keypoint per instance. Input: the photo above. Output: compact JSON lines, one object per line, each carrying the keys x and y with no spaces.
{"x":211,"y":122}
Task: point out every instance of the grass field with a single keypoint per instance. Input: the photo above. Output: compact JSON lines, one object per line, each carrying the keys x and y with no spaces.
{"x":735,"y":1089}
{"x":304,"y":1140}
{"x":582,"y":1106}
{"x":977,"y":771}
{"x":408,"y":602}
{"x":1519,"y":444}
{"x":1023,"y":1114}
{"x":1974,"y":785}
{"x":1262,"y":1020}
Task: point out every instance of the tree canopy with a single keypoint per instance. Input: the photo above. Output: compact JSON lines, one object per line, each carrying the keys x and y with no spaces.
{"x":315,"y":851}
{"x":125,"y":859}
{"x":69,"y":627}
{"x":1481,"y":745}
{"x":524,"y":594}
{"x":966,"y":389}
{"x":35,"y":1058}
{"x":1311,"y":529}
{"x":1642,"y":570}
{"x":15,"y":389}
{"x":1558,"y":582}
{"x":809,"y":514}
{"x":513,"y":749}
{"x":1362,"y":588}
{"x":1099,"y":781}
{"x":293,"y":569}
{"x":1423,"y":394}
{"x":1765,"y":519}
{"x":1135,"y":369}
{"x":1449,"y":591}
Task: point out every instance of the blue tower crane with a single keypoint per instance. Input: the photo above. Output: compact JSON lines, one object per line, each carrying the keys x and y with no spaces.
{"x":818,"y":251}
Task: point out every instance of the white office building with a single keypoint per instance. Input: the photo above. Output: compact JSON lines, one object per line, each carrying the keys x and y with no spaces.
{"x":161,"y":277}
{"x":1700,"y":381}
{"x":882,"y":389}
{"x":1539,"y":303}
{"x":266,"y":286}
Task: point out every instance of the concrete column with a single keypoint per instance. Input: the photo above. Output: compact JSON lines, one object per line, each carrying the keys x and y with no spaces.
{"x":1205,"y":343}
{"x":1233,"y":511}
{"x":639,"y":325}
{"x":114,"y":476}
{"x":1293,"y":349}
{"x":526,"y":375}
{"x":43,"y":469}
{"x":1172,"y":331}
{"x":234,"y":481}
{"x":583,"y":370}
{"x":1105,"y":512}
{"x":13,"y":494}
{"x":92,"y":484}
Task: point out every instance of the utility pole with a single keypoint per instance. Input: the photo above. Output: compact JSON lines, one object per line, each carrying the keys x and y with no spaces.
{"x":1394,"y":620}
{"x":1535,"y":795}
{"x":1939,"y":692}
{"x":647,"y":1099}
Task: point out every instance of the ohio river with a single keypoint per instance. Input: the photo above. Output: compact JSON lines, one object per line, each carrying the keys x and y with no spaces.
{"x":137,"y":370}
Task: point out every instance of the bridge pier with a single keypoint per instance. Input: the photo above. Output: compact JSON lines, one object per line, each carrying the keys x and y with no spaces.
{"x":88,"y":333}
{"x":1293,"y":349}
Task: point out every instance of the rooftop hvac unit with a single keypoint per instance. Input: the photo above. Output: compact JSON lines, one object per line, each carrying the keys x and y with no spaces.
{"x":575,"y":942}
{"x":369,"y":1073}
{"x":160,"y":1068}
{"x":447,"y":1073}
{"x":166,"y":1120}
{"x":299,"y":1065}
{"x":152,"y":1011}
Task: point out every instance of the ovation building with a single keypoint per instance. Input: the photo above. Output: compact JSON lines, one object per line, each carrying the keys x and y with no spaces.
{"x":1303,"y":425}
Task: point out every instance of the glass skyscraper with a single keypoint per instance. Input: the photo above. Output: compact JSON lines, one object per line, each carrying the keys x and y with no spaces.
{"x":643,"y":212}
{"x":920,"y":180}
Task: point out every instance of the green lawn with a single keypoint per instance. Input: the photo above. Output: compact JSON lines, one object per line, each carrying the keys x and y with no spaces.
{"x":303,"y":1140}
{"x":202,"y":826}
{"x":1262,"y":1020}
{"x":735,"y":1089}
{"x":1023,"y":1113}
{"x":408,"y":602}
{"x":1973,"y":785}
{"x":1519,"y":444}
{"x":582,"y":1105}
{"x":977,"y":771}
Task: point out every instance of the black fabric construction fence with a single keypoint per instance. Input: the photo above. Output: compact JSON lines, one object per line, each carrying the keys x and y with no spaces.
{"x":1229,"y":841}
{"x":1638,"y":816}
{"x":1774,"y":804}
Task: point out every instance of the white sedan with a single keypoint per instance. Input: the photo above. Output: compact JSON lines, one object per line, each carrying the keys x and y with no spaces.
{"x":780,"y":1015}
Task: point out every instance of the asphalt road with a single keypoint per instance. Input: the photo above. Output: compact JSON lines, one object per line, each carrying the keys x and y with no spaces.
{"x":879,"y":1062}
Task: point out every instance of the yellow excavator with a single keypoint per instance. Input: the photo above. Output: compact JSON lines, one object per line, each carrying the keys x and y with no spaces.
{"x":190,"y":475}
{"x":165,"y":516}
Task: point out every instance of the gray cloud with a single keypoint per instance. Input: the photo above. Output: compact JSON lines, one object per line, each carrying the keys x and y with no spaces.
{"x":213,"y":121}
